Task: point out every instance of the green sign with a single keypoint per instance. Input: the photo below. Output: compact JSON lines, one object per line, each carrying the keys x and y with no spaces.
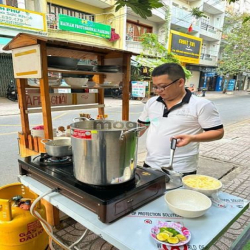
{"x":84,"y":26}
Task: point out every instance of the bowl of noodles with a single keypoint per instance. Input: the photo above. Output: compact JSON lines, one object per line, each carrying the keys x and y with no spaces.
{"x":202,"y":183}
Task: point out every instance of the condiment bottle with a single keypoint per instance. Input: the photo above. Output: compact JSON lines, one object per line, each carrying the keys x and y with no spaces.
{"x":61,"y":131}
{"x":68,"y":131}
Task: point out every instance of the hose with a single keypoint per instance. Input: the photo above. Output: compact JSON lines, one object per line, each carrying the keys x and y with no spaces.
{"x":48,"y":228}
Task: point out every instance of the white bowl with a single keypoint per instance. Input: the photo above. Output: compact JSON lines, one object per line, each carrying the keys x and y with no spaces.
{"x":90,"y":84}
{"x":202,"y":183}
{"x":76,"y":82}
{"x":187,"y":203}
{"x":53,"y":81}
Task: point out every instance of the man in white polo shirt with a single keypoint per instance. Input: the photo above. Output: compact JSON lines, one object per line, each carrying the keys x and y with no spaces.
{"x":175,"y":112}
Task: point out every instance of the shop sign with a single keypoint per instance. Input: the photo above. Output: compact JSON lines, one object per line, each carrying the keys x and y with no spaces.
{"x":22,"y":19}
{"x":59,"y":99}
{"x":186,"y":47}
{"x":87,"y":27}
{"x":138,"y":88}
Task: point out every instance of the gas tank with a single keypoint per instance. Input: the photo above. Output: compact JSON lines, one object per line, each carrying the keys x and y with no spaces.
{"x":19,"y":230}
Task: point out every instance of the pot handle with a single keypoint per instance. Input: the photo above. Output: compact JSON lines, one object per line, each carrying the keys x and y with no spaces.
{"x":43,"y":141}
{"x":138,"y":129}
{"x":81,"y":118}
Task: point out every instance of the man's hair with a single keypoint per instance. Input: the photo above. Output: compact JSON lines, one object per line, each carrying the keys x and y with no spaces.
{"x":173,"y":70}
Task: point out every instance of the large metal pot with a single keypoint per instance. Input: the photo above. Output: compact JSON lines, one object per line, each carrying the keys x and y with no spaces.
{"x":58,"y":147}
{"x":104,"y":151}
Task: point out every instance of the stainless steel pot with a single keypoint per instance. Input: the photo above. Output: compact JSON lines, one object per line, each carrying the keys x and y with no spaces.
{"x":104,"y":151}
{"x":58,"y":148}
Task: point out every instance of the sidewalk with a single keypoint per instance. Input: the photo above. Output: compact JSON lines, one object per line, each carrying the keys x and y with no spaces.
{"x":227,"y":159}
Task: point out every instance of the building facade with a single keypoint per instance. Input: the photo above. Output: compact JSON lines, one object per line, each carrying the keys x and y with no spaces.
{"x":99,"y":16}
{"x":83,"y":21}
{"x":209,"y":28}
{"x":242,"y":80}
{"x":17,"y":16}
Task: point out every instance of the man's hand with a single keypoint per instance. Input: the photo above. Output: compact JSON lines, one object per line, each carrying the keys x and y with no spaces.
{"x":183,"y":140}
{"x":211,"y":135}
{"x":143,"y":131}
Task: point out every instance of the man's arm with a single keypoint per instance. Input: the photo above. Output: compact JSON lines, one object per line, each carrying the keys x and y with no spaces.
{"x":206,"y":136}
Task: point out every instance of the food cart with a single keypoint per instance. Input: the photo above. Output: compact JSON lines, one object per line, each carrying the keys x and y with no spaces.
{"x":30,"y":60}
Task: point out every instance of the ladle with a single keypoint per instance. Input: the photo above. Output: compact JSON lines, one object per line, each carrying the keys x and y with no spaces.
{"x":174,"y":177}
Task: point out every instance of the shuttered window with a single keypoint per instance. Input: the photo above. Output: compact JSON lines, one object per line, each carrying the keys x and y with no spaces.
{"x":57,"y":9}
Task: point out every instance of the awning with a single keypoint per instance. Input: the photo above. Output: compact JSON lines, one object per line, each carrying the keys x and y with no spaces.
{"x":3,"y":42}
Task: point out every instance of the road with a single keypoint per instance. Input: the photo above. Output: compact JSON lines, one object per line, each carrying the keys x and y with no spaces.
{"x":232,"y":110}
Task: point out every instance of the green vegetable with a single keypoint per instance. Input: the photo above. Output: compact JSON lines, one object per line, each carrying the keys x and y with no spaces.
{"x":169,"y":229}
{"x":163,"y":229}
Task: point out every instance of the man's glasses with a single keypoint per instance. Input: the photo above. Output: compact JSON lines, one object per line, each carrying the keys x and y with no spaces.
{"x":162,"y":88}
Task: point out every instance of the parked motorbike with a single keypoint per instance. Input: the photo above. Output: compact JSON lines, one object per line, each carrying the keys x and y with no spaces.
{"x":117,"y":93}
{"x":12,"y":91}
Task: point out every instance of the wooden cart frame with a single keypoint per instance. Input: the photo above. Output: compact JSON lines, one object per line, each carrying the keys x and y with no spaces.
{"x":50,"y":46}
{"x":63,"y":48}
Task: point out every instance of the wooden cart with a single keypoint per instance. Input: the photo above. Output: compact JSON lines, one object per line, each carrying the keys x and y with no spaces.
{"x":30,"y":61}
{"x":29,"y":54}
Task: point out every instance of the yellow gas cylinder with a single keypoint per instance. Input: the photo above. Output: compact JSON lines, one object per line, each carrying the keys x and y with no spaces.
{"x":19,"y":230}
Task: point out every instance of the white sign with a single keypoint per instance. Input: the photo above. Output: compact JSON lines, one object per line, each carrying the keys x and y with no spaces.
{"x":22,"y":19}
{"x":138,"y":88}
{"x":27,"y":62}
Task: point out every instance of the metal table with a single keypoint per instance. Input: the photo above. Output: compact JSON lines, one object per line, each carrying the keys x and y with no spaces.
{"x":132,"y":232}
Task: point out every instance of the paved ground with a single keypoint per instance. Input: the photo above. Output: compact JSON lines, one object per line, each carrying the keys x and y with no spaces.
{"x":8,"y":107}
{"x":231,"y":155}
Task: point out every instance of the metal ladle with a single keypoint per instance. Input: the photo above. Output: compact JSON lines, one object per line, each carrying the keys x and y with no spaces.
{"x":175,"y":178}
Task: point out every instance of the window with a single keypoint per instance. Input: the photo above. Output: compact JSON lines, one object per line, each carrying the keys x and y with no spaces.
{"x":205,"y":20}
{"x":12,"y":3}
{"x":135,"y":30}
{"x":57,"y":9}
{"x":203,"y":48}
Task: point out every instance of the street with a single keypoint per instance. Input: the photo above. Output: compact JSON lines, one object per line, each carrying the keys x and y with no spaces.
{"x":232,"y":110}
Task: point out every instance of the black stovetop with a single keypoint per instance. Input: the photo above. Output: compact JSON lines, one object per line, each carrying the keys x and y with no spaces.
{"x":61,"y":172}
{"x":108,"y":202}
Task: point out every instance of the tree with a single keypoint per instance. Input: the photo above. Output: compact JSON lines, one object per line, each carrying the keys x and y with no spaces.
{"x":246,"y":18}
{"x":158,"y":53}
{"x":236,"y":50}
{"x":141,"y":7}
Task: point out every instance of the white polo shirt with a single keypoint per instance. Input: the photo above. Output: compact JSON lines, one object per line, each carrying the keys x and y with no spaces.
{"x":192,"y":115}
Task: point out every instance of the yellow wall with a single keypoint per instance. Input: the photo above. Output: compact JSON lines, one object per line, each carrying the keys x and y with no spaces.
{"x":112,"y":18}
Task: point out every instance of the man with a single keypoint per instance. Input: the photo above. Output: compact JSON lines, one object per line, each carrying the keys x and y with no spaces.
{"x":176,"y":113}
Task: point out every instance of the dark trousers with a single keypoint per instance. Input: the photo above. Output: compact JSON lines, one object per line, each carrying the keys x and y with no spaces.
{"x":145,"y":165}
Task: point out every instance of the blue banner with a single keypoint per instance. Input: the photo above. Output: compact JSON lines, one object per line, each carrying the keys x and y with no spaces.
{"x":231,"y":84}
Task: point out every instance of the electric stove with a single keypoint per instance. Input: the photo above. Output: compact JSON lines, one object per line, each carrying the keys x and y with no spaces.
{"x":108,"y":202}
